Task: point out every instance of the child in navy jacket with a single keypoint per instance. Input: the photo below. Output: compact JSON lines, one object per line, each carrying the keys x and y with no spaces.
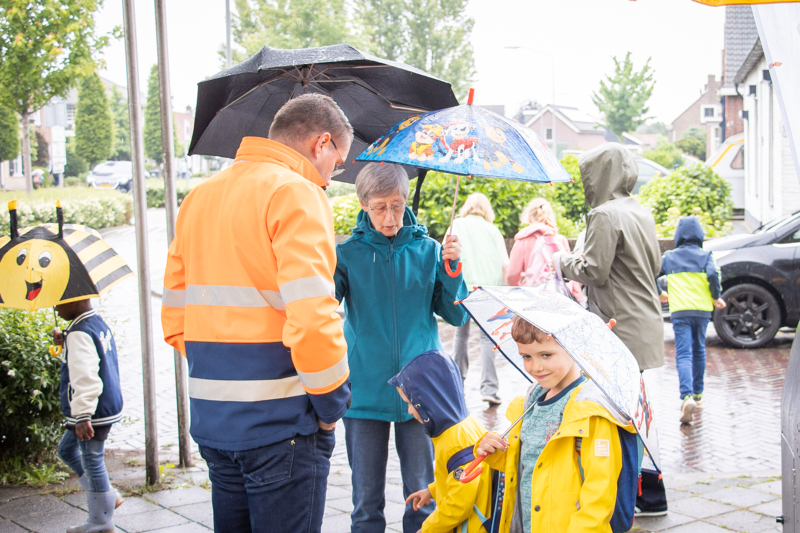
{"x":91,"y":400}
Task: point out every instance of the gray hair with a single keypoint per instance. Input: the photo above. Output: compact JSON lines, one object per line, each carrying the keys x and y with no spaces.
{"x":377,"y":180}
{"x":309,"y":115}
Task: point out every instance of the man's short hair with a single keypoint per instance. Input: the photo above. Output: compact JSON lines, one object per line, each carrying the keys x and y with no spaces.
{"x":524,"y":332}
{"x":309,"y":115}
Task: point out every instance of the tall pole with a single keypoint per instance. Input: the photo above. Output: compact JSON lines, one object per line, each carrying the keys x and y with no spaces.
{"x":228,"y":55}
{"x":171,"y":203}
{"x":143,"y":259}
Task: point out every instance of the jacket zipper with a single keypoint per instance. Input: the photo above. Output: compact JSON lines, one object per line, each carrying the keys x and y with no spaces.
{"x":396,"y":349}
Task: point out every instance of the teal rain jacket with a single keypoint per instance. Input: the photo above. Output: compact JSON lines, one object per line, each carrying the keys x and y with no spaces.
{"x":391,"y":290}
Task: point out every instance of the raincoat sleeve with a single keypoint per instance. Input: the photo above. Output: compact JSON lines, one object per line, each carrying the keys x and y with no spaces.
{"x":601,"y":459}
{"x":713,"y":275}
{"x":452,"y":507}
{"x":593,"y":267}
{"x":301,"y":226}
{"x":83,"y":363}
{"x":516,"y":263}
{"x":447,"y":290}
{"x":340,"y":277}
{"x":173,"y":297}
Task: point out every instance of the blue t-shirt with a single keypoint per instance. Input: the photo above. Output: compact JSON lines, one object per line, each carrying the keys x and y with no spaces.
{"x":537,"y":427}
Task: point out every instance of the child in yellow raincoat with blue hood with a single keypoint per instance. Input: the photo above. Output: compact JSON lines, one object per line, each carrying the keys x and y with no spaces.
{"x":431,"y":385}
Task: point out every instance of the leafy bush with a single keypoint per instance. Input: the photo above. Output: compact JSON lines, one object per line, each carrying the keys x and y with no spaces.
{"x":92,"y":207}
{"x":74,"y":182}
{"x":696,"y":190}
{"x":345,"y":211}
{"x":31,"y":420}
{"x":692,"y":146}
{"x":665,"y":154}
{"x":569,"y":195}
{"x":76,"y":165}
{"x":698,"y":132}
{"x":338,"y":188}
{"x":155,"y":190}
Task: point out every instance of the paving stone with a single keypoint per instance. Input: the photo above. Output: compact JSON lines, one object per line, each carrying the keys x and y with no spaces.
{"x":739,"y":496}
{"x":699,"y":508}
{"x":176,"y":497}
{"x":133,"y":523}
{"x":9,"y":527}
{"x":191,"y":527}
{"x":700,"y":488}
{"x":744,"y":521}
{"x":199,"y":512}
{"x":336,"y":523}
{"x":12,"y":493}
{"x":341,"y":504}
{"x":773,"y":508}
{"x":42,"y":513}
{"x":771,"y":487}
{"x":135,"y":505}
{"x":660,"y":523}
{"x":698,"y":527}
{"x":335,"y":492}
{"x":674,"y":495}
{"x":394,"y":493}
{"x":394,"y":512}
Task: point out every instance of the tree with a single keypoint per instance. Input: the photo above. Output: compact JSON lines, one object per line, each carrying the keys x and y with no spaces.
{"x":692,"y":146}
{"x":698,"y":132}
{"x":9,"y":134}
{"x":656,"y":127}
{"x":623,"y":97}
{"x":44,"y":47}
{"x":152,"y":121}
{"x":665,"y":154}
{"x":42,"y":152}
{"x":94,"y":129}
{"x":121,"y":149}
{"x":76,"y":165}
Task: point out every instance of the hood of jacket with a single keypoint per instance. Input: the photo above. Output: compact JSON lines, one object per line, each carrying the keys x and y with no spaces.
{"x":534,"y":230}
{"x":608,"y":172}
{"x":689,"y":231}
{"x":433,"y":384}
{"x":411,"y":230}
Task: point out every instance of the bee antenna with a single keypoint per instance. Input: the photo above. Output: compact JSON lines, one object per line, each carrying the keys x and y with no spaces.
{"x":12,"y":213}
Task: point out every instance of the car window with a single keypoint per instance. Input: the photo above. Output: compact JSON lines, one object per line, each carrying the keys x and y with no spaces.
{"x":780,"y":223}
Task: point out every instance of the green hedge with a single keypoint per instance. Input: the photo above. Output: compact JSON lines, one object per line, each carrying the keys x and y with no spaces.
{"x":31,"y":419}
{"x":155,"y":190}
{"x":95,"y":208}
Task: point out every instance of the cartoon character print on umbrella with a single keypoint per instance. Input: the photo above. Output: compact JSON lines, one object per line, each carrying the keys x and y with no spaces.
{"x":461,"y":144}
{"x":495,"y":153}
{"x":422,"y":149}
{"x":380,"y":143}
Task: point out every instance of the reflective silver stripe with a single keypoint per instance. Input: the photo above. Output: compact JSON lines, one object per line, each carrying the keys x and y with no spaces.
{"x":324,"y":378}
{"x":231,"y":296}
{"x":309,"y":287}
{"x":173,"y":298}
{"x":245,"y":391}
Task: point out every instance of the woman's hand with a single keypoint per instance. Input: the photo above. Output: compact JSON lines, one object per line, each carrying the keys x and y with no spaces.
{"x":420,"y":499}
{"x":451,"y":249}
{"x":490,"y":443}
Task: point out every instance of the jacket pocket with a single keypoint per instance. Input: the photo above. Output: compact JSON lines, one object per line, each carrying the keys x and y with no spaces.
{"x":268,"y":464}
{"x":564,"y":506}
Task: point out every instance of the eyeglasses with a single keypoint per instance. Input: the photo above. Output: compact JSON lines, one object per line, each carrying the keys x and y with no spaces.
{"x":380,"y":210}
{"x":338,"y":169}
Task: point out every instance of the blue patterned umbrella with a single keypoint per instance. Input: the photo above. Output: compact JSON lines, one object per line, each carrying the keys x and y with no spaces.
{"x":599,"y":353}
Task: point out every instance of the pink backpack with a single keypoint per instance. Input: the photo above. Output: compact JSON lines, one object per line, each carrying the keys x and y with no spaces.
{"x":539,"y":270}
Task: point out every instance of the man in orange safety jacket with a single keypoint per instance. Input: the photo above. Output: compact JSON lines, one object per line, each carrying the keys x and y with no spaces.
{"x":249,"y":300}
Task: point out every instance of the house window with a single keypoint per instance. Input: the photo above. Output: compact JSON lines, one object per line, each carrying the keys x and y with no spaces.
{"x":549,"y":134}
{"x":708,"y":112}
{"x":70,"y":115}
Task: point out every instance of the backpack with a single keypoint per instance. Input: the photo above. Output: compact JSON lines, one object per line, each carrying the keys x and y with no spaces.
{"x":628,"y":483}
{"x":491,"y":523}
{"x":539,"y":272}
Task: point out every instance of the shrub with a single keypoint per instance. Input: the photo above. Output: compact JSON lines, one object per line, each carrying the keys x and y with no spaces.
{"x":31,"y":420}
{"x":692,"y":146}
{"x":338,"y":188}
{"x":92,"y":207}
{"x":76,"y":165}
{"x":696,"y":190}
{"x":74,"y":182}
{"x":345,"y":211}
{"x":155,"y":190}
{"x":665,"y":154}
{"x":569,"y":195}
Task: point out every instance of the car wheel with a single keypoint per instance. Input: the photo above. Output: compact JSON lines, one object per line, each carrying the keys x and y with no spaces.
{"x":751,"y":318}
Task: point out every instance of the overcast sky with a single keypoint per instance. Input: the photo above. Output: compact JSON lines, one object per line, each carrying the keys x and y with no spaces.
{"x":683,"y":38}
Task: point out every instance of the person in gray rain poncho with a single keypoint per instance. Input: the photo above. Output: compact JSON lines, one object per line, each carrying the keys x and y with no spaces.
{"x":618,"y":265}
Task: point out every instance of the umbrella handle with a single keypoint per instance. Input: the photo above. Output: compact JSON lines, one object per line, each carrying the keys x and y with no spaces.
{"x":472,"y":470}
{"x":450,"y":272}
{"x":55,"y":351}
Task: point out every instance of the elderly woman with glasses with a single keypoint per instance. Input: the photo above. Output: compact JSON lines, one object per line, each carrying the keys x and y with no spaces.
{"x":392,"y":279}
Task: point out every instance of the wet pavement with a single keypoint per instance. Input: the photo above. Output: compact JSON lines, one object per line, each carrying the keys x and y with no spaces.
{"x":723,"y":467}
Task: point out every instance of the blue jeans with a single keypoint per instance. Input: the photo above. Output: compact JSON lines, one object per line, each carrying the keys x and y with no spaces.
{"x":275,"y":488}
{"x":85,"y":457}
{"x":368,"y":451}
{"x":690,"y":353}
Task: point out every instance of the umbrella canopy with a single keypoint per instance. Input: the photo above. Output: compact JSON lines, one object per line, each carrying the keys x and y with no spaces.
{"x":373,"y":93}
{"x":52,"y":264}
{"x":468,"y":140}
{"x":740,"y":2}
{"x":601,"y":356}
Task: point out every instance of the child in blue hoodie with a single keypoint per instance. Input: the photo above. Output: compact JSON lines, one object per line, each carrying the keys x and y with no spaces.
{"x":693,"y":283}
{"x":431,"y":385}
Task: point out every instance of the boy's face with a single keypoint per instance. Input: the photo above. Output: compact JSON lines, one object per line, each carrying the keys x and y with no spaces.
{"x":411,"y":409}
{"x":549,"y":364}
{"x":70,"y":311}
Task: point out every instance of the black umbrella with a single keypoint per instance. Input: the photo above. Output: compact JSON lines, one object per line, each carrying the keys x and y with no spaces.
{"x":374,"y":93}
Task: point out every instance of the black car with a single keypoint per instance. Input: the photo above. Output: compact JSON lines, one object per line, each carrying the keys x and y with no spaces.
{"x":760,"y":282}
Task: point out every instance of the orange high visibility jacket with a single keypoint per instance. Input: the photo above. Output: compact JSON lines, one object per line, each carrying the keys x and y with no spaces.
{"x":248,"y":299}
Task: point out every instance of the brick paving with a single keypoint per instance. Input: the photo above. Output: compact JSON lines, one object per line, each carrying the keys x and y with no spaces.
{"x":721,"y":472}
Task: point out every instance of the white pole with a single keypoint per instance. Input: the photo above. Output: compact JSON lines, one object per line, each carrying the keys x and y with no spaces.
{"x":143,"y":259}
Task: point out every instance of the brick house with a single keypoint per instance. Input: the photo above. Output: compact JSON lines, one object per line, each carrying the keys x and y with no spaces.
{"x":574,"y":129}
{"x":706,"y":113}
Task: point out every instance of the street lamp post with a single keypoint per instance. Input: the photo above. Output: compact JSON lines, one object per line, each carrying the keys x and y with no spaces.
{"x":553,"y":110}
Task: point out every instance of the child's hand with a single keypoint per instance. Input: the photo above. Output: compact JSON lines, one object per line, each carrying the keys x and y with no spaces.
{"x":84,"y":430}
{"x":58,"y":337}
{"x":719,"y":303}
{"x":490,"y":443}
{"x":420,"y":499}
{"x":663,"y":297}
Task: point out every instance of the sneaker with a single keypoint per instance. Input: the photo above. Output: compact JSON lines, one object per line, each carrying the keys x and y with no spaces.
{"x":687,"y":409}
{"x":698,"y":399}
{"x":649,"y":512}
{"x":493,"y":400}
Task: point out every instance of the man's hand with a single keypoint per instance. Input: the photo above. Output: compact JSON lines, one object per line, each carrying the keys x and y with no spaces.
{"x":420,"y":499}
{"x":663,"y":297}
{"x":490,"y":443}
{"x":325,"y":425}
{"x":58,"y":337}
{"x":84,"y":430}
{"x":451,"y":250}
{"x":719,"y":303}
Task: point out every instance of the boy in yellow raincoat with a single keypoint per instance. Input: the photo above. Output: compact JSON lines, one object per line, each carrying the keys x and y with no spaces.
{"x":563,"y":462}
{"x":431,"y":385}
